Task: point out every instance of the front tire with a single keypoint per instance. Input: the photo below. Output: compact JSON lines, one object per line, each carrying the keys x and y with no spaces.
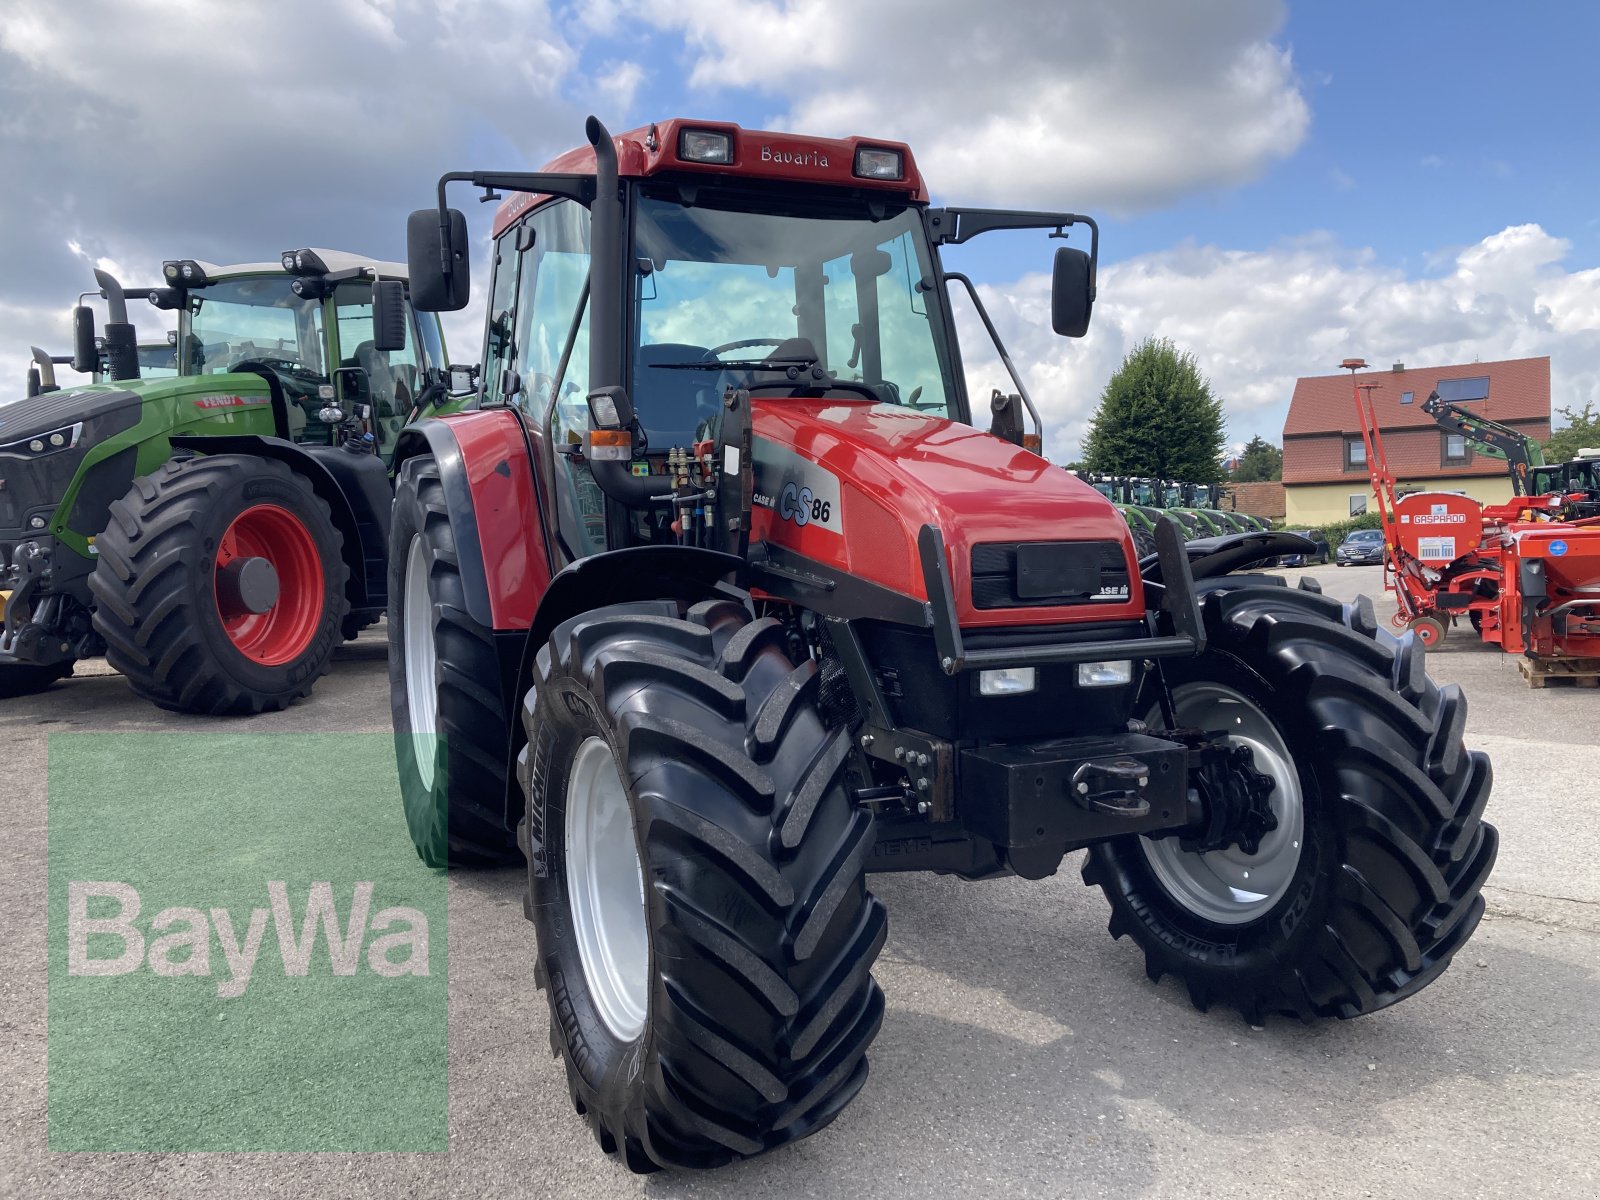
{"x":452,"y":734}
{"x":220,"y":585}
{"x":1371,"y":881}
{"x":730,"y":1008}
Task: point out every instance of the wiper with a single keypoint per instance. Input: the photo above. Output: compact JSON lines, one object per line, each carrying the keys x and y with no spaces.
{"x":718,"y":364}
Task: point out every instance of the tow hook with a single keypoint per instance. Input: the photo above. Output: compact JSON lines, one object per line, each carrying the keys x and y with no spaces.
{"x":1113,"y":786}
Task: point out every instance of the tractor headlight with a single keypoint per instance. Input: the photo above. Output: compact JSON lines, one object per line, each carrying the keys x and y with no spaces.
{"x":875,"y":162}
{"x":45,"y":443}
{"x":706,"y":146}
{"x":1105,"y":674}
{"x":1007,"y":681}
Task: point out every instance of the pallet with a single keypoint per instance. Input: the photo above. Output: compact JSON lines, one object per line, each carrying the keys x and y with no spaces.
{"x":1584,"y":672}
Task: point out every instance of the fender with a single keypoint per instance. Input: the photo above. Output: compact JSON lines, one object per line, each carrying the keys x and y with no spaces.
{"x":1213,"y":556}
{"x":686,"y":573}
{"x":355,"y":487}
{"x":486,"y":467}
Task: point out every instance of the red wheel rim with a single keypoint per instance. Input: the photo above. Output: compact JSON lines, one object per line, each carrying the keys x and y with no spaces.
{"x":283,"y":632}
{"x":1428,"y":633}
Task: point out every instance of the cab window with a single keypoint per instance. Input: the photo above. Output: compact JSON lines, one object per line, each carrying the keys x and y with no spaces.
{"x":387,"y":380}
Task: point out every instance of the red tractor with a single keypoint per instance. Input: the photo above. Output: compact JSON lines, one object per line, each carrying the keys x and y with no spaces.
{"x":723,"y":601}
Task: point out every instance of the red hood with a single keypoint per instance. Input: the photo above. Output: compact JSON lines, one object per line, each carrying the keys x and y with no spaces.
{"x":893,"y":470}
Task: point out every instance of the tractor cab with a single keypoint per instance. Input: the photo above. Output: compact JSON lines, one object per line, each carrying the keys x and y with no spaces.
{"x":335,"y":332}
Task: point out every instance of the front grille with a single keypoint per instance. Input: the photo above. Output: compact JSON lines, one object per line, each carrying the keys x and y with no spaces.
{"x":1037,"y":574}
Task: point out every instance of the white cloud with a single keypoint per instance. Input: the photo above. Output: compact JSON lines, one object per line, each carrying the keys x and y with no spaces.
{"x":1103,"y":105}
{"x":1257,"y":320}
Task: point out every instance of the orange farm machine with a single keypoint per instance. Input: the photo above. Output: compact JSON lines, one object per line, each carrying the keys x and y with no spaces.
{"x":1526,"y":580}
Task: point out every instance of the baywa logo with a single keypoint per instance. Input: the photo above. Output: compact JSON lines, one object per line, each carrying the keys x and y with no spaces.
{"x":180,"y":940}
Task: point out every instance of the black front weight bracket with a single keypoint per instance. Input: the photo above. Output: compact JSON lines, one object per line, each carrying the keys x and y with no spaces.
{"x":1061,"y":795}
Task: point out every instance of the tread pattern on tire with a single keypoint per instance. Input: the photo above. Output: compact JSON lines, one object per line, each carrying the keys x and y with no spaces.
{"x":1411,"y":847}
{"x":459,"y":821}
{"x":762,"y":1021}
{"x":146,"y":560}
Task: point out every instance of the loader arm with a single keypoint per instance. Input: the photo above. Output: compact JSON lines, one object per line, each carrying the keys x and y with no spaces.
{"x":1521,"y":452}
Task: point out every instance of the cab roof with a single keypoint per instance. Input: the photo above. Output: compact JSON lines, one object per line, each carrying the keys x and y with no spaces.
{"x":758,"y":154}
{"x":336,"y":260}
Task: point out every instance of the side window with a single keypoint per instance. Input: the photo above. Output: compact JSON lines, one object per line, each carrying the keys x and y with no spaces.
{"x":387,"y":379}
{"x":498,"y":350}
{"x":553,"y":270}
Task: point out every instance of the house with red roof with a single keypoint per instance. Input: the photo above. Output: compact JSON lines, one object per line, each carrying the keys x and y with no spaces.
{"x":1324,"y":460}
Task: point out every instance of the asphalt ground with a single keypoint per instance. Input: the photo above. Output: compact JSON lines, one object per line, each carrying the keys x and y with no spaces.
{"x":1023,"y":1052}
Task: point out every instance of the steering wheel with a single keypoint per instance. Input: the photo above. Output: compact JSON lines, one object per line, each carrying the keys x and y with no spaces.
{"x":279,"y":366}
{"x":742,"y":344}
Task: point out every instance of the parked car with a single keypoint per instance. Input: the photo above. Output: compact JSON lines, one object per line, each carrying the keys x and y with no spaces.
{"x":1316,"y":558}
{"x":1360,"y":547}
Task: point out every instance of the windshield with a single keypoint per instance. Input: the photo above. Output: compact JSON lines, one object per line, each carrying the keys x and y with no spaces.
{"x":252,"y":320}
{"x":718,"y":284}
{"x":1365,"y":535}
{"x":158,"y":361}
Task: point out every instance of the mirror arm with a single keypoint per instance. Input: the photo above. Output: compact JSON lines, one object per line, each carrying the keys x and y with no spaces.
{"x":1005,"y":357}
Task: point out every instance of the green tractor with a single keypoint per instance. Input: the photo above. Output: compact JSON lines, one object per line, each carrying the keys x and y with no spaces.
{"x":215,"y":534}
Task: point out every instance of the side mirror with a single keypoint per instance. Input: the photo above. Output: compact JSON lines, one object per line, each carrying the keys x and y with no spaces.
{"x":1071,"y":292}
{"x":388,"y":315}
{"x":85,"y":354}
{"x":434,"y":287}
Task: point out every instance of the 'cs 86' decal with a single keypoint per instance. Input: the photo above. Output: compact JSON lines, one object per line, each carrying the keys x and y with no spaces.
{"x":795,"y":488}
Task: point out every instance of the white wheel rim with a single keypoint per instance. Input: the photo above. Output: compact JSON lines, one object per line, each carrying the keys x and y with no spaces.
{"x":422,"y":687}
{"x":605,"y":884}
{"x":1229,"y":886}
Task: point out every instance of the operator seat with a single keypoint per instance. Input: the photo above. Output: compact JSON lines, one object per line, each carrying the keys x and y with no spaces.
{"x":387,"y":415}
{"x":672,"y":404}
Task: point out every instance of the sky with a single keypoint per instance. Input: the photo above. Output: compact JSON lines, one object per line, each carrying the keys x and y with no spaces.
{"x":1280,"y":186}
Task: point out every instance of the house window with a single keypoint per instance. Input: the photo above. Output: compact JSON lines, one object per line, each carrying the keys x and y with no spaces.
{"x":1358,"y":505}
{"x":1407,"y":397}
{"x":1459,"y":390}
{"x":1355,"y":454}
{"x":1455,"y":450}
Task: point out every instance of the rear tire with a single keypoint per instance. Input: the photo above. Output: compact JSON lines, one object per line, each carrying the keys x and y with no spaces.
{"x":747,"y":1025}
{"x":1392,"y":855}
{"x":452,"y":733}
{"x":27,"y":679}
{"x":167,"y":625}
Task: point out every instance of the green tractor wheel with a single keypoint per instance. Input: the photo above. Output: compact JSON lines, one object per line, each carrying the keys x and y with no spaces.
{"x":220,"y":585}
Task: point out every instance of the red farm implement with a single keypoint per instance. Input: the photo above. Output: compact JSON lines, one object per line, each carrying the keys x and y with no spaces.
{"x":1527,"y":581}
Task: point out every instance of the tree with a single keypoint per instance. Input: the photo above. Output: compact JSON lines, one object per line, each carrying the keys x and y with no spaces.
{"x":1582,"y":430}
{"x":1157,"y":417}
{"x":1260,"y":461}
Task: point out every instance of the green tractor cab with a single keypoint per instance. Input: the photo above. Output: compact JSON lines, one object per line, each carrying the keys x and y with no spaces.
{"x":215,"y":531}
